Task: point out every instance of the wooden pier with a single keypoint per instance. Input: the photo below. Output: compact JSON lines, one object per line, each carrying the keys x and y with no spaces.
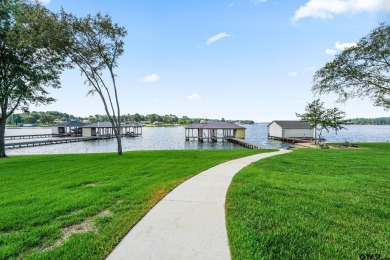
{"x":243,"y":143}
{"x":295,"y":139}
{"x":15,"y":137}
{"x":64,"y":140}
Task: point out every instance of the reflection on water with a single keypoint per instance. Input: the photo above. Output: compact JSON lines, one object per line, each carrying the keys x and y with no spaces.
{"x":173,"y":138}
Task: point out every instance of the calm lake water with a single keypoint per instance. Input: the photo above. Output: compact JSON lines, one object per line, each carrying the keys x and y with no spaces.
{"x":173,"y":138}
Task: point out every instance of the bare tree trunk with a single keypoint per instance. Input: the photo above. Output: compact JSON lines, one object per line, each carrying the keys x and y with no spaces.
{"x":2,"y":135}
{"x":119,"y":142}
{"x":119,"y":137}
{"x":319,"y":136}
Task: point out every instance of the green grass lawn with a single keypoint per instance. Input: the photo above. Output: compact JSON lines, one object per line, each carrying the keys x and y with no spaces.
{"x":81,"y":206}
{"x":312,"y":204}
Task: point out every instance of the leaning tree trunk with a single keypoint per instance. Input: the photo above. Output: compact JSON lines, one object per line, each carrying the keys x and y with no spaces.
{"x":2,"y":135}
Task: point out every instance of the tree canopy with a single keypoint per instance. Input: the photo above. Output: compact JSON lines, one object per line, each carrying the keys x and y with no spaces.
{"x":360,"y":71}
{"x":321,"y":118}
{"x":36,"y":45}
{"x":28,"y":62}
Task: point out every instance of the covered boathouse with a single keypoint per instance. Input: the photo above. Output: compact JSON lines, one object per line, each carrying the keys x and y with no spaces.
{"x":106,"y":129}
{"x":71,"y":128}
{"x":214,"y":131}
{"x":290,"y":131}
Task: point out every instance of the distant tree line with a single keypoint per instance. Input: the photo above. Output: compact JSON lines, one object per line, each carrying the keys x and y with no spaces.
{"x":54,"y":117}
{"x":40,"y":118}
{"x":370,"y":121}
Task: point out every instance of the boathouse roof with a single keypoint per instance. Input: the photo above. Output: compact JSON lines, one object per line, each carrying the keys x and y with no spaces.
{"x":215,"y":125}
{"x":108,"y":125}
{"x":292,"y":124}
{"x":71,"y":124}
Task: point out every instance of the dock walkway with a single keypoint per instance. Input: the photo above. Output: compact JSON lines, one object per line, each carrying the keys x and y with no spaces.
{"x":15,"y":137}
{"x":243,"y":143}
{"x":17,"y":144}
{"x":294,"y":139}
{"x":18,"y":141}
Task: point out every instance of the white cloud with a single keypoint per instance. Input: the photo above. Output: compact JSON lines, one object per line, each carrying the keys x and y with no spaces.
{"x":217,"y":37}
{"x":292,"y":74}
{"x":326,"y":9}
{"x":194,"y":96}
{"x":339,"y":46}
{"x":310,"y":68}
{"x":150,"y":78}
{"x":342,"y":46}
{"x":330,"y":51}
{"x":231,"y":4}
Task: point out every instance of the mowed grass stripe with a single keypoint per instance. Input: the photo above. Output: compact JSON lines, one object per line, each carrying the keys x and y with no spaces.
{"x":312,"y":204}
{"x":95,"y":197}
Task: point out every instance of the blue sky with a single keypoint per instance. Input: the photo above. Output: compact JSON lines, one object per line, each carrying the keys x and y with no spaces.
{"x":237,"y":59}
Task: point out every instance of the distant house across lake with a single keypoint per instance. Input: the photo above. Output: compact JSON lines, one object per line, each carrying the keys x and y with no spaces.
{"x":290,"y":129}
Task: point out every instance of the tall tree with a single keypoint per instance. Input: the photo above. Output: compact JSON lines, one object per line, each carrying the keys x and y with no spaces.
{"x":360,"y":71}
{"x":94,"y":46}
{"x":321,"y":118}
{"x":28,"y":63}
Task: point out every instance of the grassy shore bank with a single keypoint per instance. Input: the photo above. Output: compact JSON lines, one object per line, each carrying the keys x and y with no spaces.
{"x":312,"y":204}
{"x":80,"y":206}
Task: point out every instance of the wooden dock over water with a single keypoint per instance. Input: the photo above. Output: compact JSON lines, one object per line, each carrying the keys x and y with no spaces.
{"x":294,"y":139}
{"x":243,"y":143}
{"x":23,"y":144}
{"x":15,"y":137}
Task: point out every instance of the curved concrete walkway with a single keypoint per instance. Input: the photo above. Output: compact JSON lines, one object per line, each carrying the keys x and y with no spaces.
{"x":189,"y":223}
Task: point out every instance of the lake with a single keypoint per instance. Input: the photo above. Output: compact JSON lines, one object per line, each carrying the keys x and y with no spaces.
{"x":173,"y":138}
